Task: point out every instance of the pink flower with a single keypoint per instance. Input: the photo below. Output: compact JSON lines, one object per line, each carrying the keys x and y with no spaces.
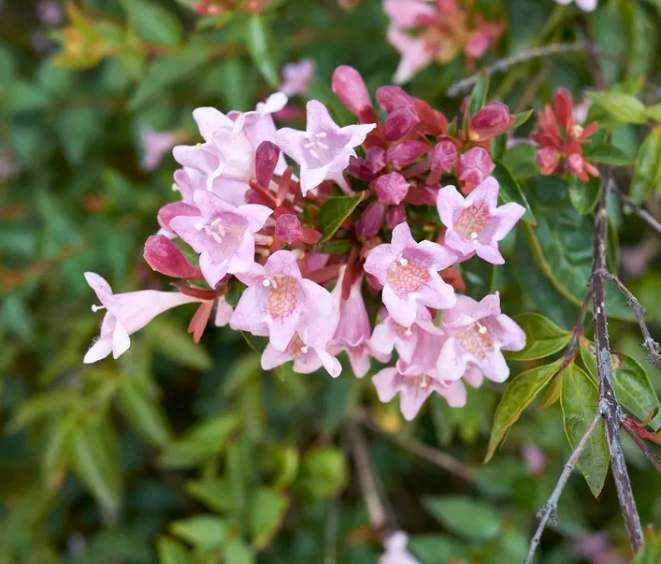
{"x":395,"y":550}
{"x":476,"y":224}
{"x":155,"y":145}
{"x":534,"y":459}
{"x":295,"y":77}
{"x":280,"y":303}
{"x":323,"y":150}
{"x":307,"y":358}
{"x":389,"y":334}
{"x":414,"y":51}
{"x":165,"y":257}
{"x":224,"y":312}
{"x":408,"y":272}
{"x":473,"y":167}
{"x":476,"y":334}
{"x":409,"y":14}
{"x":350,"y":88}
{"x":223,"y":234}
{"x":126,"y":314}
{"x":353,"y":330}
{"x":586,"y":5}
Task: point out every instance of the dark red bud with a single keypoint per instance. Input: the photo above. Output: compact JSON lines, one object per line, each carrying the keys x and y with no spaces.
{"x":443,"y":156}
{"x":395,"y":215}
{"x":401,"y":122}
{"x":165,"y":257}
{"x":266,"y":159}
{"x":391,"y":188}
{"x":491,"y":121}
{"x":360,"y":169}
{"x":287,"y":228}
{"x":392,"y":97}
{"x":405,"y":153}
{"x":174,"y":209}
{"x":350,"y":88}
{"x":371,"y":220}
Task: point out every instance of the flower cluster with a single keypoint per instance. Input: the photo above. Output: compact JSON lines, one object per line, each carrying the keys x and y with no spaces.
{"x":561,"y":138}
{"x":255,"y":227}
{"x":424,"y":31}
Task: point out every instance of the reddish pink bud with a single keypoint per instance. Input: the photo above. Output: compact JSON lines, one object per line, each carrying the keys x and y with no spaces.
{"x":165,"y":257}
{"x":400,"y":122}
{"x":287,"y":228}
{"x":266,"y":159}
{"x":371,"y":220}
{"x":443,"y":156}
{"x":350,"y":88}
{"x":474,"y":166}
{"x":392,"y":97}
{"x":405,"y":153}
{"x":548,"y":159}
{"x":169,"y":211}
{"x":395,"y":215}
{"x":368,"y":168}
{"x":391,"y":188}
{"x":492,"y":120}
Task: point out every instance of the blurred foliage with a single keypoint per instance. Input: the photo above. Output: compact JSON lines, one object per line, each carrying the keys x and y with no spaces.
{"x":185,"y":454}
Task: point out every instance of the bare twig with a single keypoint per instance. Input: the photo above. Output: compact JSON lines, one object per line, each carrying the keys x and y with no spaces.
{"x":642,"y":445}
{"x":651,"y":347}
{"x":640,"y":211}
{"x":548,"y":512}
{"x":612,"y":412}
{"x":499,"y":66}
{"x":570,"y":352}
{"x":430,"y":454}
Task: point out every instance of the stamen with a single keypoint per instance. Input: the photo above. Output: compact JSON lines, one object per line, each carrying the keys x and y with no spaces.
{"x":322,"y":134}
{"x":474,"y":236}
{"x":304,"y":349}
{"x":322,"y":145}
{"x":199,"y":226}
{"x":216,"y":238}
{"x":403,"y":262}
{"x":314,"y":153}
{"x":266,"y":283}
{"x":423,"y":382}
{"x":215,"y":222}
{"x":198,"y":145}
{"x":308,"y":145}
{"x":408,"y":332}
{"x":96,"y":308}
{"x":482,"y":330}
{"x":175,"y":188}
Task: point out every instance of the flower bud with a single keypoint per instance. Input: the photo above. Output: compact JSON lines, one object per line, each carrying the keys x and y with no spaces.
{"x":169,"y":211}
{"x":391,"y":188}
{"x":548,"y":159}
{"x":165,"y":257}
{"x":371,"y":220}
{"x":400,"y":122}
{"x":369,"y":167}
{"x":266,"y":159}
{"x":392,"y":97}
{"x":443,"y":156}
{"x":395,"y":215}
{"x":405,"y":153}
{"x":492,"y":120}
{"x":287,"y":228}
{"x":474,"y":166}
{"x":350,"y":88}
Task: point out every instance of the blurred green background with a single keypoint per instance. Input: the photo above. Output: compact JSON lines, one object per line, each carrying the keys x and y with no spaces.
{"x":187,"y":454}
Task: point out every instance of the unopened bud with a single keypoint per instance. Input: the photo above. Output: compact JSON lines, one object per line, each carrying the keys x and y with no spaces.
{"x":391,"y":188}
{"x":165,"y":257}
{"x":443,"y":156}
{"x":392,"y":97}
{"x":401,"y":122}
{"x":395,"y":215}
{"x":169,"y":211}
{"x":474,"y":166}
{"x":548,"y":159}
{"x":266,"y":159}
{"x":491,"y":121}
{"x":371,"y":220}
{"x":405,"y":153}
{"x":350,"y":88}
{"x":287,"y":228}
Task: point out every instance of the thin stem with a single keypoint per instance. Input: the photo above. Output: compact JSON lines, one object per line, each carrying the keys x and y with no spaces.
{"x":640,"y":211}
{"x":578,"y":331}
{"x":642,"y":445}
{"x":551,"y":506}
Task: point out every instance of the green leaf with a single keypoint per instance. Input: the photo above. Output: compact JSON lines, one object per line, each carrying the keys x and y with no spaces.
{"x":262,"y":47}
{"x":267,"y":510}
{"x":202,"y":531}
{"x":650,"y":553}
{"x":167,"y":71}
{"x":215,"y":493}
{"x":543,"y":337}
{"x":520,"y":161}
{"x":153,"y":23}
{"x":172,"y":341}
{"x":607,"y":154}
{"x":584,"y":196}
{"x":437,"y":549}
{"x":58,"y":452}
{"x":511,"y":192}
{"x":469,"y":518}
{"x":520,"y":393}
{"x":258,"y":344}
{"x":579,"y":401}
{"x":479,"y":94}
{"x":647,"y":174}
{"x":522,"y":118}
{"x":171,"y":551}
{"x":323,"y":472}
{"x":334,"y":211}
{"x":24,"y":97}
{"x":623,"y":107}
{"x":654,"y":112}
{"x":95,"y":461}
{"x":238,"y":552}
{"x":498,"y":147}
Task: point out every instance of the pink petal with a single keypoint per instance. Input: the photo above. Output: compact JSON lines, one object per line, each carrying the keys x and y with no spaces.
{"x":401,"y":309}
{"x":490,"y":254}
{"x":449,"y":203}
{"x":379,"y":260}
{"x":451,"y":363}
{"x":386,"y":384}
{"x":402,"y":239}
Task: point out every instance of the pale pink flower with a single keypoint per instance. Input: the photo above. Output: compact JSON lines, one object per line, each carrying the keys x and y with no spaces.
{"x":408,"y":272}
{"x":295,"y":77}
{"x":155,"y":145}
{"x":280,"y":303}
{"x":586,"y":5}
{"x":224,"y":312}
{"x":126,"y":314}
{"x":534,"y":459}
{"x":473,"y":167}
{"x":395,"y":550}
{"x":477,"y":332}
{"x":323,"y":150}
{"x":223,"y":234}
{"x":415,"y":53}
{"x":187,"y":180}
{"x":307,"y":358}
{"x":476,"y":224}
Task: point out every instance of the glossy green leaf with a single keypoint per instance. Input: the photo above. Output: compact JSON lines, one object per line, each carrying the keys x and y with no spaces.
{"x":263,"y":49}
{"x":201,"y":531}
{"x":584,"y":196}
{"x":520,"y":393}
{"x":543,"y":337}
{"x":647,"y":174}
{"x":171,"y":551}
{"x":469,"y":518}
{"x":334,"y":211}
{"x":172,"y":341}
{"x":607,"y":154}
{"x":479,"y":94}
{"x":621,"y":106}
{"x":579,"y":401}
{"x":267,"y":510}
{"x":510,"y":191}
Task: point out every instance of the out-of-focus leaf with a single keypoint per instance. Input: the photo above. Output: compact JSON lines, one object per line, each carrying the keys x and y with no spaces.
{"x":216,"y":494}
{"x":267,"y":510}
{"x":334,"y":211}
{"x":238,"y":552}
{"x":437,"y":549}
{"x":520,"y":161}
{"x":241,"y":372}
{"x":647,"y":174}
{"x":643,"y":38}
{"x":607,"y":154}
{"x":520,"y":393}
{"x":57,"y":455}
{"x":543,"y":337}
{"x":621,"y":106}
{"x":171,"y":551}
{"x":23,"y":96}
{"x":202,"y":531}
{"x":651,"y":551}
{"x":153,"y":23}
{"x":579,"y":401}
{"x":584,"y":196}
{"x":172,"y":341}
{"x":469,"y":518}
{"x":511,"y":192}
{"x":263,"y":48}
{"x":323,"y":472}
{"x":479,"y":94}
{"x":522,"y":118}
{"x":78,"y":129}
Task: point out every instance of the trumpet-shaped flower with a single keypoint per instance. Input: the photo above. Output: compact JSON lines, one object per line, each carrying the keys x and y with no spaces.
{"x":223,"y":234}
{"x":307,"y":358}
{"x":476,"y":224}
{"x":323,"y":150}
{"x":295,"y":77}
{"x":126,"y":314}
{"x":408,"y":272}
